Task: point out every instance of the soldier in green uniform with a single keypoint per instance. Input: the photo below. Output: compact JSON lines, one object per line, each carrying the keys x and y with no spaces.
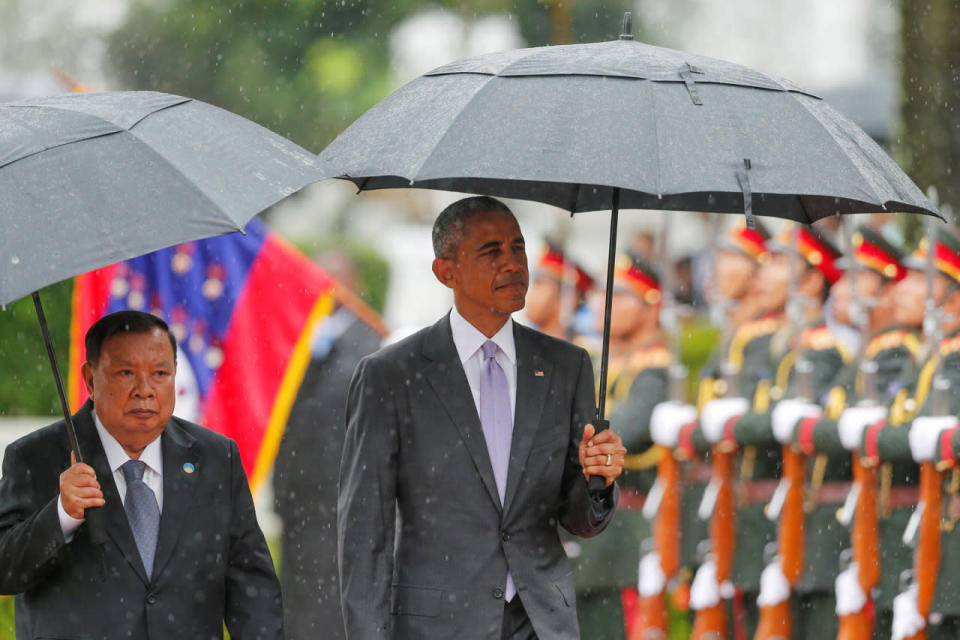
{"x":738,"y":258}
{"x":742,"y":366}
{"x":891,"y":351}
{"x":895,"y":445}
{"x":808,"y":341}
{"x":605,"y":567}
{"x":558,"y":289}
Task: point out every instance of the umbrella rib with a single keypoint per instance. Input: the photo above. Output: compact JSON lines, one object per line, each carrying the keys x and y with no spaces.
{"x":880,"y":200}
{"x":450,"y":127}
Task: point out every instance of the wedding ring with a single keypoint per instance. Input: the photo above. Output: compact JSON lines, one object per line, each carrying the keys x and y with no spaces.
{"x":609,"y":457}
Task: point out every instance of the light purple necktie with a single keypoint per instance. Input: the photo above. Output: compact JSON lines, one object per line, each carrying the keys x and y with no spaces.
{"x":497,"y":423}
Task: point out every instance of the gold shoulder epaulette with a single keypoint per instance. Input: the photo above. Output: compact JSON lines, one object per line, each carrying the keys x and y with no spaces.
{"x":891,"y":340}
{"x":656,"y":357}
{"x":950,"y":345}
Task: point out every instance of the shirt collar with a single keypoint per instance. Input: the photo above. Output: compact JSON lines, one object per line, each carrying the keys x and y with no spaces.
{"x":116,"y":456}
{"x":468,"y":339}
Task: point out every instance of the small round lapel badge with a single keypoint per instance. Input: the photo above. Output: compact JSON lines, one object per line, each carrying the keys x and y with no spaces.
{"x":188,"y":467}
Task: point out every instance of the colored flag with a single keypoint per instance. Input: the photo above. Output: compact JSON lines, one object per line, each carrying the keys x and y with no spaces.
{"x":243,"y":308}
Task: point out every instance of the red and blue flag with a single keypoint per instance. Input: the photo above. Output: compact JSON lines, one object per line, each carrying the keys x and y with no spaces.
{"x":243,"y":308}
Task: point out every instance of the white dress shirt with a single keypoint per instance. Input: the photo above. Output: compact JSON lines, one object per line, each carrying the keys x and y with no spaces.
{"x":468,"y":340}
{"x":152,"y":456}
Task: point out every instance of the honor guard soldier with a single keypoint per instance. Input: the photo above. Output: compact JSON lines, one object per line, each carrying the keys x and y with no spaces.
{"x":558,"y":290}
{"x":923,"y":409}
{"x":605,"y":567}
{"x":742,"y":358}
{"x":861,"y":392}
{"x":805,"y":263}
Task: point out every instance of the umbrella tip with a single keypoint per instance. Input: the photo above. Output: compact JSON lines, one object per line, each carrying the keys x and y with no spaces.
{"x":627,"y":32}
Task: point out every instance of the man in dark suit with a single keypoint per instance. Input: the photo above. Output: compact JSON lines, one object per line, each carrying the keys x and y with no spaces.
{"x":183,"y":554}
{"x":305,"y":472}
{"x":467,"y":444}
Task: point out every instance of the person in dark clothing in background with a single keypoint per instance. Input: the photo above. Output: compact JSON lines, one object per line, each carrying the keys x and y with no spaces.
{"x":305,"y":473}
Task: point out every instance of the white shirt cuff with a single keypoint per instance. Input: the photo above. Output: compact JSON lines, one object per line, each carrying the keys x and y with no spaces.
{"x":68,"y":524}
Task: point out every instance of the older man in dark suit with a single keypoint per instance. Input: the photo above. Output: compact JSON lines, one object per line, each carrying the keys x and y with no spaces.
{"x":184,"y":553}
{"x":467,"y":444}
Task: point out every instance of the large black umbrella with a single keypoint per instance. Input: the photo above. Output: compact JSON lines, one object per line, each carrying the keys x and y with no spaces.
{"x":622,"y":124}
{"x":90,"y":179}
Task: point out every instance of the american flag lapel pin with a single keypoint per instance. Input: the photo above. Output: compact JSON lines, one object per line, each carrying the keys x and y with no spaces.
{"x":538,"y":373}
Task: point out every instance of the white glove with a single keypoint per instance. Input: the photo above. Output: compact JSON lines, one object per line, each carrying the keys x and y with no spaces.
{"x":667,"y":420}
{"x":788,"y":413}
{"x":853,"y":421}
{"x":925,"y":435}
{"x":774,"y":587}
{"x":652,"y":579}
{"x":850,"y":597}
{"x":907,"y":621}
{"x":704,"y":590}
{"x":717,"y":413}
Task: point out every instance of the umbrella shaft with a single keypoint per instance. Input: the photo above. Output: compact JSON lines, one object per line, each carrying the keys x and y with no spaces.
{"x":44,"y":329}
{"x":608,"y":303}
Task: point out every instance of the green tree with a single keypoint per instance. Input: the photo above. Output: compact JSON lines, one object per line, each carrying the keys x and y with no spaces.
{"x":303,"y":68}
{"x":928,"y":145}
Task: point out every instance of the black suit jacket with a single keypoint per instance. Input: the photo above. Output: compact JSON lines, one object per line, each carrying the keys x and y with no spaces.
{"x":305,"y":488}
{"x":424,"y":543}
{"x":212,"y":564}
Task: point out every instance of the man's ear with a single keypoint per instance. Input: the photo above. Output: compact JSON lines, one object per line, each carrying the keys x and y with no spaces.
{"x":443,"y":269}
{"x":952,"y":304}
{"x":87,"y":372}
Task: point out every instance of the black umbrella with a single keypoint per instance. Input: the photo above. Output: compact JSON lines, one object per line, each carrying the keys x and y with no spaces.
{"x":622,"y":124}
{"x":91,"y":179}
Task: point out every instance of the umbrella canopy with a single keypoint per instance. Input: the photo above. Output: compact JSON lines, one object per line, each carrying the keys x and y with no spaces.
{"x":566,"y":124}
{"x":90,"y":179}
{"x":622,"y":124}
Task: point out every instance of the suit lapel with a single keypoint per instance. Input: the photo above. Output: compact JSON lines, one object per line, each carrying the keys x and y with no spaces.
{"x":118,"y":528}
{"x":533,"y":381}
{"x":446,"y":376}
{"x":178,"y":489}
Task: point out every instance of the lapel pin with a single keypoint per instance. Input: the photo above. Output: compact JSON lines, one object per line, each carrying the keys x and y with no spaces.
{"x":188,"y":467}
{"x":538,"y":374}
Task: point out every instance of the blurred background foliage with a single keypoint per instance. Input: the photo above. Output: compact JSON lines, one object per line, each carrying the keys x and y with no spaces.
{"x":307,"y":68}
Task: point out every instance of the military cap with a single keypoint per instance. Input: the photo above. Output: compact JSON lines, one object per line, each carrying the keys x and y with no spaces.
{"x":633,"y":275}
{"x":813,"y":247}
{"x":751,"y":243}
{"x":554,"y":264}
{"x":946,"y":256}
{"x":873,"y":252}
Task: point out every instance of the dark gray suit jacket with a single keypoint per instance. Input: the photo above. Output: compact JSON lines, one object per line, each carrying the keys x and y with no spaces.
{"x":212,"y":564}
{"x":424,"y":544}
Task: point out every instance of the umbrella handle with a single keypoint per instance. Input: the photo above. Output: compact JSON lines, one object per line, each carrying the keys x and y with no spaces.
{"x":598,"y":483}
{"x":92,"y":515}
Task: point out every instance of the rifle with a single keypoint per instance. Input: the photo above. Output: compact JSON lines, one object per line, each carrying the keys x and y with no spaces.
{"x":719,"y":504}
{"x":924,"y":525}
{"x":787,"y":503}
{"x":861,"y":503}
{"x":664,"y":501}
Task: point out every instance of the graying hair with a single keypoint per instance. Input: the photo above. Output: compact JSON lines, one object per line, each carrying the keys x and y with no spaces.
{"x":449,"y":226}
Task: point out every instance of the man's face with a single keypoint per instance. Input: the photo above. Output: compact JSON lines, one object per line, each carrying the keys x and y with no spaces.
{"x":132,"y":386}
{"x":488,"y":274}
{"x":734,"y":272}
{"x":867,"y":285}
{"x":773,"y":281}
{"x":543,"y":301}
{"x":911,"y":295}
{"x":626,"y":315}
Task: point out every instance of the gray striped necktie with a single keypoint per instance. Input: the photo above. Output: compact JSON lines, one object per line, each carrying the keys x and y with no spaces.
{"x":143,"y":513}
